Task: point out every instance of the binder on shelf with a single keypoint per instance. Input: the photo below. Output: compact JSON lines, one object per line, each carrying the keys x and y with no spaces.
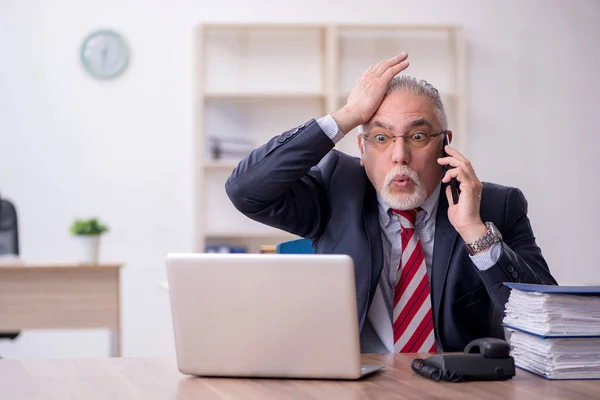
{"x":223,"y":148}
{"x":225,"y":249}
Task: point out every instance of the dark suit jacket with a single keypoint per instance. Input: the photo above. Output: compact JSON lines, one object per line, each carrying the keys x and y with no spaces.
{"x":297,"y":183}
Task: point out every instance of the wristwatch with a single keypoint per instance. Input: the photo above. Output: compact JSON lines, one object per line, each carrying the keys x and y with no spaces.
{"x":492,"y":236}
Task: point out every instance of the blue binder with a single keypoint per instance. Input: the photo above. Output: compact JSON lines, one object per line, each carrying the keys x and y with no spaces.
{"x":531,"y":287}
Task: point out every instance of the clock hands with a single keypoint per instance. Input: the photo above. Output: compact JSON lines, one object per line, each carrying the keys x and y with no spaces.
{"x":104,"y":55}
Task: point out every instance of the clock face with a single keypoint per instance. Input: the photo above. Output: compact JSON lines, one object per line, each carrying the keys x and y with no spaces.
{"x":104,"y":54}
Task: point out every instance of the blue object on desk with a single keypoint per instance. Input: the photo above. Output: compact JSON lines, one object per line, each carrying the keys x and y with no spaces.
{"x":297,"y":246}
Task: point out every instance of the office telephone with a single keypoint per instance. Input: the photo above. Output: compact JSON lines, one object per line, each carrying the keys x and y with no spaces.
{"x":484,"y":359}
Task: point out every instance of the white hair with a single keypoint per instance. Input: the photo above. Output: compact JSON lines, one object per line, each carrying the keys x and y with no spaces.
{"x":419,"y":88}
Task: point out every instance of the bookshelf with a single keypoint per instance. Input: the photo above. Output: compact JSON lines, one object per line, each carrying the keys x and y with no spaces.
{"x":254,"y":81}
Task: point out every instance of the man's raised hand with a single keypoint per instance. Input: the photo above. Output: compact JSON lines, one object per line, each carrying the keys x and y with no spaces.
{"x":368,"y":92}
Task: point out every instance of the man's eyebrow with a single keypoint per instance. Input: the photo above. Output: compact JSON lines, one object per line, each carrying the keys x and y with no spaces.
{"x":418,"y":122}
{"x":383,"y":125}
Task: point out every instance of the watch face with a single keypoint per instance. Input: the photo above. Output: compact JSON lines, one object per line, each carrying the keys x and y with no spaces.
{"x":104,"y":54}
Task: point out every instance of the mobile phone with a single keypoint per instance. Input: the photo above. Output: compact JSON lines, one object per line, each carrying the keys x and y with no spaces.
{"x":454,"y":185}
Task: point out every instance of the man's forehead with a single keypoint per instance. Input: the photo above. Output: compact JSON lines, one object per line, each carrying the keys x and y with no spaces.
{"x":414,"y":121}
{"x":401,"y":108}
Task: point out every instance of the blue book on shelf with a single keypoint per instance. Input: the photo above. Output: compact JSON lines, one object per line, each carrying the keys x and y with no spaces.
{"x":531,"y":287}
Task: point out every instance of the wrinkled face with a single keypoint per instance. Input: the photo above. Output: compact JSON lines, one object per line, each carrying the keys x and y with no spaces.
{"x":403,"y":171}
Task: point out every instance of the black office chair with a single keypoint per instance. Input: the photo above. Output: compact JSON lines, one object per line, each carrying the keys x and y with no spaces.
{"x":9,"y":241}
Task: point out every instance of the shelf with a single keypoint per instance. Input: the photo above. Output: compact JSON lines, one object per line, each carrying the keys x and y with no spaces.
{"x":262,"y":95}
{"x":429,"y":53}
{"x":257,"y":80}
{"x":257,"y":26}
{"x":256,"y":120}
{"x":243,"y":235}
{"x":262,"y":60}
{"x":252,"y":244}
{"x":384,"y":27}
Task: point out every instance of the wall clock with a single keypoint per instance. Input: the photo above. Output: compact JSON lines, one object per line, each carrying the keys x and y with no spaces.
{"x":104,"y":54}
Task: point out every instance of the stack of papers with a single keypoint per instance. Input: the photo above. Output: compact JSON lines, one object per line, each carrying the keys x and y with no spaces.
{"x":555,"y":330}
{"x":557,"y":358}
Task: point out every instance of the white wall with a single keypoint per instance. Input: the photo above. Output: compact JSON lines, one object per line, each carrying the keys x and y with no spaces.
{"x":72,"y":146}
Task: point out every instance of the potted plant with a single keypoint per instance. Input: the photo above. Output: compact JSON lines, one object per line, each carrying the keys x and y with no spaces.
{"x":88,"y":232}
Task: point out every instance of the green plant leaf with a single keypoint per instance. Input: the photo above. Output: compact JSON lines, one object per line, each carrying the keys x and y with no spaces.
{"x":89,"y":226}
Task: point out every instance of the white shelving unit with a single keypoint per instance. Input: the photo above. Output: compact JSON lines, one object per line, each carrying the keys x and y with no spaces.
{"x":254,"y":81}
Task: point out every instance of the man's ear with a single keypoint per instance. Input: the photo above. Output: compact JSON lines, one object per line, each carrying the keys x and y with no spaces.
{"x":361,"y":148}
{"x":449,"y":133}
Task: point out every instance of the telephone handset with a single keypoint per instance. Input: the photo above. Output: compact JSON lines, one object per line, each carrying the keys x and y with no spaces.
{"x":454,"y":184}
{"x":484,"y":359}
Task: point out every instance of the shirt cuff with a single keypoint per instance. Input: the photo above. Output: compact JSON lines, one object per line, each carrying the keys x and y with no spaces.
{"x":488,"y":259}
{"x":331,"y":129}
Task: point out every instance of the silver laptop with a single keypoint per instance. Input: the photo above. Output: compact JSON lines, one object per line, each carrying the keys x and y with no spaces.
{"x":265,"y":315}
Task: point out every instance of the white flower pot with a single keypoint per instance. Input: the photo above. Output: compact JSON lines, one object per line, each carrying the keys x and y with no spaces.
{"x":89,"y":248}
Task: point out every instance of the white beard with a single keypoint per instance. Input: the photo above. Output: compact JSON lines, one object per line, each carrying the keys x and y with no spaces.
{"x":401,"y":200}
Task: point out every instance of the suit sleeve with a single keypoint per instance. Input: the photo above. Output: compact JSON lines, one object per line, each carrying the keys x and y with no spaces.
{"x":280,"y":184}
{"x":520,"y":259}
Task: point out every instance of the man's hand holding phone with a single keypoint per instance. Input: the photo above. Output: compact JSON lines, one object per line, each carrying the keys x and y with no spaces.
{"x":464,"y":215}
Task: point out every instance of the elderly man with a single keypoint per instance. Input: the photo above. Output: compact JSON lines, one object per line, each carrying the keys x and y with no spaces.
{"x":429,"y":272}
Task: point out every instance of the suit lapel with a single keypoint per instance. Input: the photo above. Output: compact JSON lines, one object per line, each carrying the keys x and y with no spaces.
{"x":445,"y":239}
{"x":373,"y":232}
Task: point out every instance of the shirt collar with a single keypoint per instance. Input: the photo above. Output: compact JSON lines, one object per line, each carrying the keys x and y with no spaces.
{"x":431,"y":203}
{"x":428,"y":205}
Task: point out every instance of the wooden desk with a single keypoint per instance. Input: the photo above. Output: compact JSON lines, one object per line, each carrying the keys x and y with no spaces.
{"x":61,"y":296}
{"x":129,"y":378}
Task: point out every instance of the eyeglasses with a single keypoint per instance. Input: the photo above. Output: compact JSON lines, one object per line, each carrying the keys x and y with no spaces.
{"x":381,"y":141}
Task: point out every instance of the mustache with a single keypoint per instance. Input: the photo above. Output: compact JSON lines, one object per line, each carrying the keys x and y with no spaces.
{"x":398,"y":171}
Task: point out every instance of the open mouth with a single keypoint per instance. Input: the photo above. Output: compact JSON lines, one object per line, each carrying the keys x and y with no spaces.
{"x":402,"y":182}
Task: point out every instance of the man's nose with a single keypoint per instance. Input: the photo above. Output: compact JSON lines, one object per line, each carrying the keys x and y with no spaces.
{"x":400,"y":152}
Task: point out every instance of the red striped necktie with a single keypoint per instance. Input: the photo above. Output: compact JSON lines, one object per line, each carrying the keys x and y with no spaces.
{"x":413,"y":319}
